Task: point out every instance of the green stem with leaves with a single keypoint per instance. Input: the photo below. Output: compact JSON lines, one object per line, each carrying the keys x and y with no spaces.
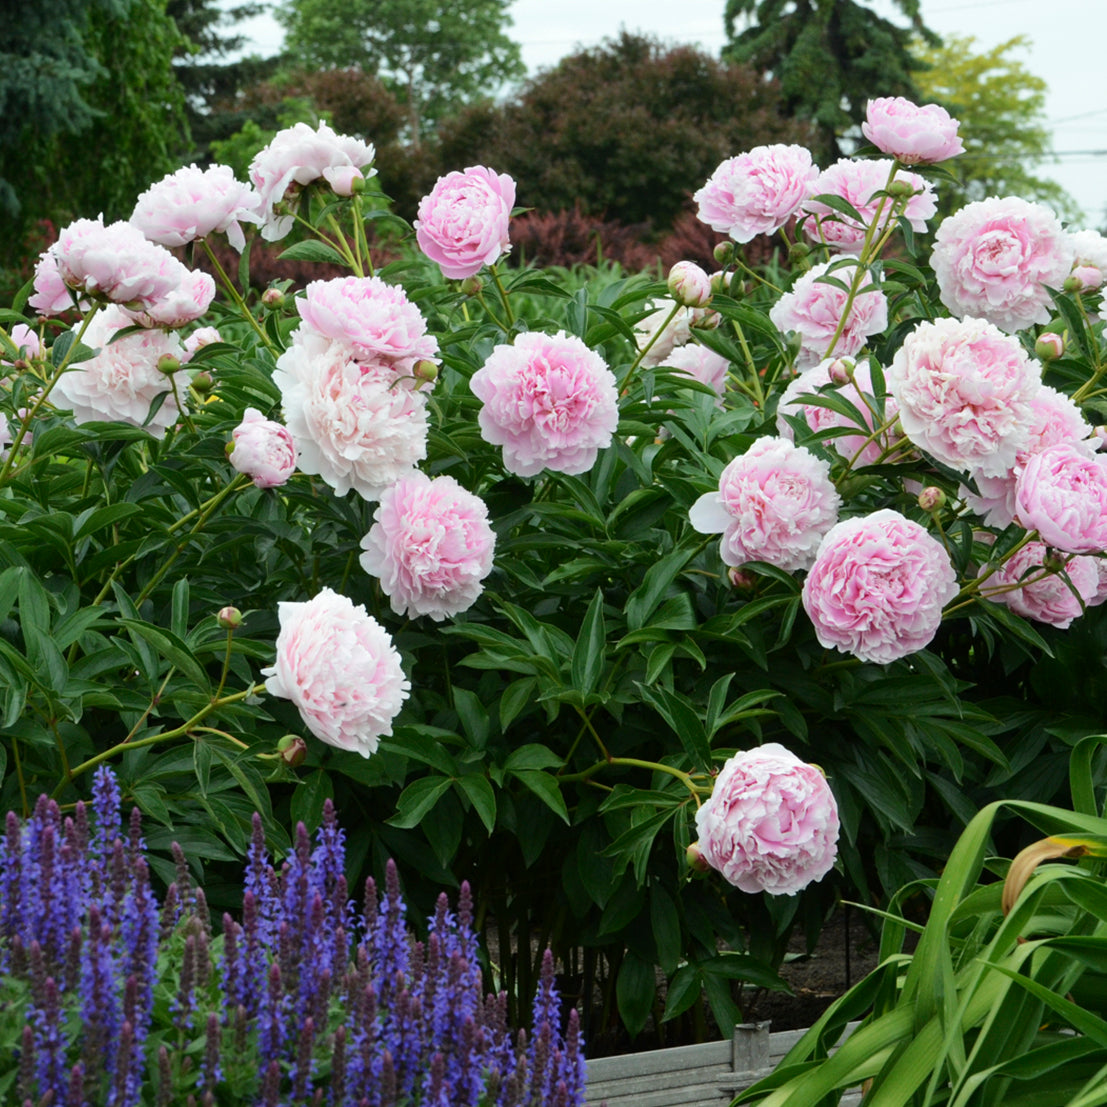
{"x":239,"y":302}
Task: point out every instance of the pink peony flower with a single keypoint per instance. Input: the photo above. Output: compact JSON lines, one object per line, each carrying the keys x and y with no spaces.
{"x":463,"y":221}
{"x":1023,"y":584}
{"x":964,"y":392}
{"x":296,"y":157}
{"x":770,"y":823}
{"x":194,"y":203}
{"x":198,"y":339}
{"x":263,"y":450}
{"x":1062,"y":494}
{"x":858,"y":182}
{"x":703,"y":365}
{"x":1054,"y":419}
{"x":51,"y":294}
{"x":1100,"y":596}
{"x":185,"y":304}
{"x":756,"y":192}
{"x":350,"y":425}
{"x":374,"y":320}
{"x":338,"y":666}
{"x":814,"y":308}
{"x":549,"y":401}
{"x":115,"y":263}
{"x":995,"y":258}
{"x":859,"y":385}
{"x":775,"y":502}
{"x":878,"y":587}
{"x":915,"y":135}
{"x":122,"y":381}
{"x":431,"y":546}
{"x":26,"y":341}
{"x":677,"y":332}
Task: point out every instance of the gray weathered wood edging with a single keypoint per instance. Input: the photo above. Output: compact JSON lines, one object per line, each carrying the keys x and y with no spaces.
{"x":707,"y":1075}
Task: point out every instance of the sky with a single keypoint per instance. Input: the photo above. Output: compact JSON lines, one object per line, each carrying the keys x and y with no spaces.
{"x":1067,"y":40}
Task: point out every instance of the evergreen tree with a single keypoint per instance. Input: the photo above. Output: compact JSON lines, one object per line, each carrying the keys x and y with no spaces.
{"x":434,"y":55}
{"x":830,"y":56}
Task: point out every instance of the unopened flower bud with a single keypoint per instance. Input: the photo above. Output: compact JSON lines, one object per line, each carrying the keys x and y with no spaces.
{"x":900,"y":189}
{"x":168,"y":364}
{"x":1101,"y":437}
{"x":720,"y":282}
{"x":1049,"y":346}
{"x":797,"y":251}
{"x":932,"y":498}
{"x":695,"y":858}
{"x":1054,"y":561}
{"x":704,"y":319}
{"x":424,"y":370}
{"x":1084,"y":278}
{"x":202,"y":382}
{"x":741,"y":580}
{"x":229,"y":618}
{"x":689,"y":285}
{"x":471,"y":286}
{"x":293,"y":750}
{"x":840,"y":370}
{"x":273,"y":298}
{"x":723,"y":253}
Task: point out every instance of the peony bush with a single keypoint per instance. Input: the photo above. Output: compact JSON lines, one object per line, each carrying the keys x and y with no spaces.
{"x":544,"y":575}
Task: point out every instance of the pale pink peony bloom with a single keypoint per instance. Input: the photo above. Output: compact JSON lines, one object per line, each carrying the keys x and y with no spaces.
{"x":26,"y":340}
{"x":122,"y":381}
{"x":341,"y":178}
{"x":913,"y":134}
{"x":198,"y":339}
{"x":116,"y":263}
{"x":857,"y":389}
{"x":878,"y":587}
{"x":431,"y":546}
{"x":263,"y":450}
{"x":1054,"y":419}
{"x":463,"y":221}
{"x":338,"y":665}
{"x":185,"y":304}
{"x":1062,"y":494}
{"x":549,"y":401}
{"x":703,"y":365}
{"x":373,"y":319}
{"x":689,"y":285}
{"x":813,"y":309}
{"x":350,"y":425}
{"x":194,"y":203}
{"x":1101,"y":576}
{"x":771,"y":822}
{"x":775,"y":503}
{"x":756,"y":192}
{"x":671,"y":335}
{"x":295,"y":158}
{"x":964,"y":392}
{"x":858,"y":182}
{"x":995,"y":258}
{"x":51,"y":295}
{"x":1023,"y":584}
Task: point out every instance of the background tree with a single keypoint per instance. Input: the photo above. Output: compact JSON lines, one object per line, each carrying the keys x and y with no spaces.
{"x":830,"y":57}
{"x":625,"y":130}
{"x":89,"y":114}
{"x":433,"y":54}
{"x":1001,"y":107}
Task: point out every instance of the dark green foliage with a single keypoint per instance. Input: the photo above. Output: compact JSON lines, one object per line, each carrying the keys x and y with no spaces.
{"x":830,"y":57}
{"x":626,"y":131}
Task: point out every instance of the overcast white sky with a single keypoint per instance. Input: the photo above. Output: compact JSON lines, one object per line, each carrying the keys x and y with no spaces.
{"x":1068,"y":39}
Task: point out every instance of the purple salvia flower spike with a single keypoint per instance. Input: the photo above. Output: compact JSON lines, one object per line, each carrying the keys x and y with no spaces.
{"x":210,"y":1071}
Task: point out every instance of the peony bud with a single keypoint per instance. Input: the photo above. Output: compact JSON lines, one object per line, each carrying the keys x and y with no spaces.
{"x":229,"y":618}
{"x":1054,"y":561}
{"x":471,"y":286}
{"x":168,"y":364}
{"x":695,"y":858}
{"x":723,"y":253}
{"x":344,"y":179}
{"x":740,"y":579}
{"x":840,"y":370}
{"x":1085,"y":278}
{"x":424,"y":370}
{"x":273,"y":298}
{"x":1049,"y":346}
{"x":900,"y":189}
{"x":689,"y":285}
{"x":293,"y":750}
{"x":798,"y":251}
{"x":202,"y":382}
{"x":932,"y":499}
